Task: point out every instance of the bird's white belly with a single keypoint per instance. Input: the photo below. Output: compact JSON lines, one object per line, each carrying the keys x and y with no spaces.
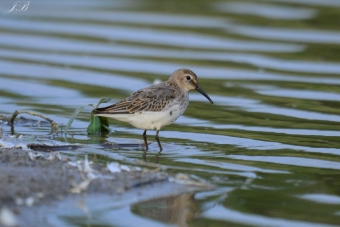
{"x":150,"y":119}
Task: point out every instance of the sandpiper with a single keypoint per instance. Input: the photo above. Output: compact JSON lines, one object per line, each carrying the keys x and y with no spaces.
{"x":153,"y":107}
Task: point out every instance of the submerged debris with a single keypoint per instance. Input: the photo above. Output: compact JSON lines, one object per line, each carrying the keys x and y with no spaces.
{"x":52,"y":147}
{"x":111,"y":145}
{"x":54,"y":126}
{"x":59,"y":147}
{"x":26,"y":143}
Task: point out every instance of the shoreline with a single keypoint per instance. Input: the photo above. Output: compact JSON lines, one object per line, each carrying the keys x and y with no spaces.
{"x":34,"y":182}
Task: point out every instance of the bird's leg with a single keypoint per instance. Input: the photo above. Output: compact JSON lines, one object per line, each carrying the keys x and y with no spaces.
{"x":145,"y":141}
{"x":159,"y":143}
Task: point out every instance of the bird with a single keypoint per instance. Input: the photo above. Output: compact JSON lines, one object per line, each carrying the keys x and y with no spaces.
{"x":156,"y":106}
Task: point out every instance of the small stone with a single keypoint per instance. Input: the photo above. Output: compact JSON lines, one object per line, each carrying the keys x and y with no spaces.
{"x":40,"y":195}
{"x":7,"y":218}
{"x":19,"y":201}
{"x":29,"y":201}
{"x":114,"y":167}
{"x":125,"y":168}
{"x":58,"y":156}
{"x":182,"y":176}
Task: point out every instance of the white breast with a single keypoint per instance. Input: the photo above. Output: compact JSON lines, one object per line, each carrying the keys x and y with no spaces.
{"x":151,"y":120}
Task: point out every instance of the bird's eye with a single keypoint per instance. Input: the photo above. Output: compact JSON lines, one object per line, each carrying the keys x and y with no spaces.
{"x":188,"y":78}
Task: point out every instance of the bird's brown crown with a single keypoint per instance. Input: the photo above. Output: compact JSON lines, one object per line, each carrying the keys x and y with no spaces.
{"x":185,"y":79}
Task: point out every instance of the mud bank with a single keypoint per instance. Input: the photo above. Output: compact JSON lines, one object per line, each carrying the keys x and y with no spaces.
{"x":34,"y":184}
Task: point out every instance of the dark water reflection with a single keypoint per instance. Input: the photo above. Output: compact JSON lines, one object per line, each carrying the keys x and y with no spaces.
{"x":178,"y":210}
{"x":270,"y":143}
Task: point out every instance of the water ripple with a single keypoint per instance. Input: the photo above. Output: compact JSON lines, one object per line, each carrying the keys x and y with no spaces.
{"x":219,"y":212}
{"x":148,"y":36}
{"x":266,"y":10}
{"x":294,"y":93}
{"x":287,"y":34}
{"x":160,"y":68}
{"x":194,"y":122}
{"x":253,"y":105}
{"x":297,"y":161}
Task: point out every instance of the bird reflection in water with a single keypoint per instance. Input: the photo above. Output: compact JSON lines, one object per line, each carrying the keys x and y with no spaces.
{"x":178,"y":209}
{"x":156,"y":160}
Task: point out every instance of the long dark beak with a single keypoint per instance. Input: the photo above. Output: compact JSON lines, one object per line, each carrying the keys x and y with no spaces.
{"x":200,"y":90}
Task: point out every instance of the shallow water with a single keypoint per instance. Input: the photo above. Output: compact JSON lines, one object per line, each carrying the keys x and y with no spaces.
{"x":270,"y":143}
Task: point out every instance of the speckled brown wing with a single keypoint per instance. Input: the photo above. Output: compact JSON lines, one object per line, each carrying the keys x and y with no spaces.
{"x":153,"y":98}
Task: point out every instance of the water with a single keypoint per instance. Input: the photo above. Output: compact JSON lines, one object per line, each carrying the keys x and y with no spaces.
{"x":270,"y":143}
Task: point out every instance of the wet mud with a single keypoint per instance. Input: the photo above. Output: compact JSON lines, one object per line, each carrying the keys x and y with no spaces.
{"x":32,"y":181}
